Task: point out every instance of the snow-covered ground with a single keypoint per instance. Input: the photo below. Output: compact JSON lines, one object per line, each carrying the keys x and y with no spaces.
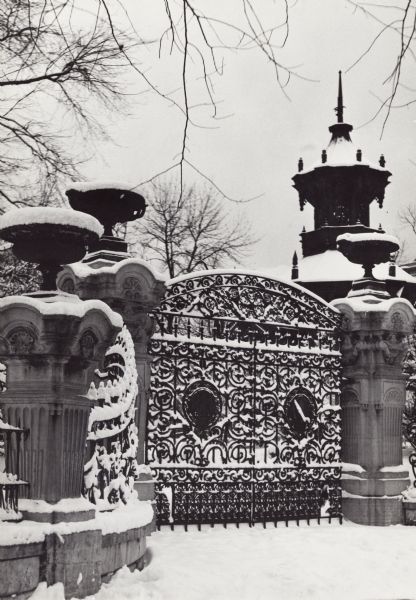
{"x":322,"y":562}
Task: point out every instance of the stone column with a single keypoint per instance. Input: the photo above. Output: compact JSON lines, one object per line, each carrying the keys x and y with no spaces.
{"x":372,"y":400}
{"x":51,"y":350}
{"x":133,"y":289}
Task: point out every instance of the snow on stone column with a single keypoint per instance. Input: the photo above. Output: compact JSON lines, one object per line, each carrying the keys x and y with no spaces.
{"x":372,"y":399}
{"x":51,"y":351}
{"x":375,"y":328}
{"x":132,"y":289}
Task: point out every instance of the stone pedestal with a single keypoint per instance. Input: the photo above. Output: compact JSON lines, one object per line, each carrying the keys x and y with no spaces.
{"x":51,"y":350}
{"x":372,"y":400}
{"x":145,"y":487}
{"x":409,"y":511}
{"x":74,"y":560}
{"x":133,"y":289}
{"x":79,"y":555}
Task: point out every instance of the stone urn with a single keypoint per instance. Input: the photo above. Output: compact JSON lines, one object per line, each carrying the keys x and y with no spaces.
{"x":368,"y":250}
{"x":110,"y":203}
{"x":49,"y":237}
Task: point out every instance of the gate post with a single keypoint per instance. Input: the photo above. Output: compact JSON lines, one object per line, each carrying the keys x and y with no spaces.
{"x":128,"y":285}
{"x":372,"y":400}
{"x":131,"y":288}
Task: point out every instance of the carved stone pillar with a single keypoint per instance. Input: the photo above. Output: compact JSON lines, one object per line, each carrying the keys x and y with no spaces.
{"x":372,"y":400}
{"x":51,"y":350}
{"x":133,"y":289}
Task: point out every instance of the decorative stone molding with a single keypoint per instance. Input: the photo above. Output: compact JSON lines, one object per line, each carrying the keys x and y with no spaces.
{"x":21,"y":340}
{"x":87,"y":344}
{"x":133,"y":288}
{"x":130,"y":280}
{"x":67,"y":285}
{"x":397,"y":322}
{"x":349,"y":397}
{"x":393,"y":396}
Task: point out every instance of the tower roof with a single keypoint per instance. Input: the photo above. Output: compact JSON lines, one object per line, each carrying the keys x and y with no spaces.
{"x":340,"y":188}
{"x":341,"y":151}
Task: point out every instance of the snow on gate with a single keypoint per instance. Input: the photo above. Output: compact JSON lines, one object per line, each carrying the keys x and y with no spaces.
{"x":244,"y":418}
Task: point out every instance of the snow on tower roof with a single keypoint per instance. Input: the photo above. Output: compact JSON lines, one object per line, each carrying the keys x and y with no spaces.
{"x":341,"y":152}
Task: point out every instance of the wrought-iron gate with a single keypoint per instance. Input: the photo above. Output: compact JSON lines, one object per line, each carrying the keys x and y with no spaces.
{"x":243,"y":419}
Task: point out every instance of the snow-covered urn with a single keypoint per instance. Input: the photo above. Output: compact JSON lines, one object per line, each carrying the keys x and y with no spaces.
{"x":110,"y":203}
{"x":50,"y":237}
{"x":368,"y":250}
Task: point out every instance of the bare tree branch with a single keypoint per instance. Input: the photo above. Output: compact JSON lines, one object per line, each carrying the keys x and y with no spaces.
{"x":403,"y":25}
{"x":59,"y":53}
{"x":407,"y":216}
{"x":189,"y":230}
{"x":55,"y":56}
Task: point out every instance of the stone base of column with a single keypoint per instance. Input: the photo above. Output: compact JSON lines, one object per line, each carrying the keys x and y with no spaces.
{"x":68,"y":510}
{"x":409,"y":512}
{"x":367,"y":510}
{"x":374,"y":498}
{"x":145,"y":487}
{"x":75,"y":560}
{"x":80,"y":555}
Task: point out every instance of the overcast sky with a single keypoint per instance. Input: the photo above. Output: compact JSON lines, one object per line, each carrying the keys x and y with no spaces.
{"x":255,"y":150}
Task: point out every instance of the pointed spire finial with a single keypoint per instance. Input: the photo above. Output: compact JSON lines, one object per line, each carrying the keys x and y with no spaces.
{"x":295,"y":269}
{"x":340,"y":107}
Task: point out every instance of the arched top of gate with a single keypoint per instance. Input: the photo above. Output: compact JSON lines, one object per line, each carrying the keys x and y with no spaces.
{"x":247,"y":296}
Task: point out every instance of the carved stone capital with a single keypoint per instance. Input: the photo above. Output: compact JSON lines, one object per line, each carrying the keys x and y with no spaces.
{"x":375,"y":332}
{"x":373,"y":349}
{"x":131,"y":282}
{"x":65,"y":338}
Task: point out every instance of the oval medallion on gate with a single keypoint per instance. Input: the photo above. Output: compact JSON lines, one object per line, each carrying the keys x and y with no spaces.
{"x":202,"y":405}
{"x":300,"y":410}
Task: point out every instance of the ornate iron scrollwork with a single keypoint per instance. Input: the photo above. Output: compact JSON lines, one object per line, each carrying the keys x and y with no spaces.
{"x":265,"y":357}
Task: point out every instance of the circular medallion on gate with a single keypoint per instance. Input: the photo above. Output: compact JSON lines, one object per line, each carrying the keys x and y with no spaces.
{"x":202,"y":405}
{"x":300,"y":411}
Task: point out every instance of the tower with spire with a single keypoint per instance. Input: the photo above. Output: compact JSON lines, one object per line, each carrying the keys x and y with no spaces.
{"x":340,"y":188}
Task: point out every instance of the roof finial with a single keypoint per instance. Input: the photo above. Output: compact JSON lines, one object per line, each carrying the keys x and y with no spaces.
{"x":340,"y":108}
{"x":295,"y":268}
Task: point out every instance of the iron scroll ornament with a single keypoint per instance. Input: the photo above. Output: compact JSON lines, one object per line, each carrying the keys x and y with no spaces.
{"x":202,"y":406}
{"x":300,"y":411}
